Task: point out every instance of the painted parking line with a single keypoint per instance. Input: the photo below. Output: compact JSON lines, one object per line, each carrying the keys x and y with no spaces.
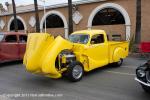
{"x":120,"y":73}
{"x":129,"y":67}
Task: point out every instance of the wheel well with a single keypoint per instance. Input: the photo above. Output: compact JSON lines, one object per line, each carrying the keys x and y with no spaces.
{"x":58,"y":61}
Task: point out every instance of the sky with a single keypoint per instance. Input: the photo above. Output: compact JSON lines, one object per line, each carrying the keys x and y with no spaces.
{"x":26,"y":2}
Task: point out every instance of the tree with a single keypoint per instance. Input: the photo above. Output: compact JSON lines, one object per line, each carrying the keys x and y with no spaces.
{"x":1,"y":6}
{"x":138,"y":22}
{"x":70,"y":16}
{"x":15,"y":18}
{"x":37,"y":16}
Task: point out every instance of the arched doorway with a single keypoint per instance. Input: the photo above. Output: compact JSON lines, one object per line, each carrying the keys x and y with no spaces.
{"x":53,"y":21}
{"x":108,"y":16}
{"x":20,"y":22}
{"x":111,"y":17}
{"x":56,"y":23}
{"x":20,"y":25}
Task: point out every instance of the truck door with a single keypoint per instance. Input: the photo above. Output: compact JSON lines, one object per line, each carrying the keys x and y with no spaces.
{"x":22,"y":45}
{"x":9,"y":48}
{"x":97,"y":51}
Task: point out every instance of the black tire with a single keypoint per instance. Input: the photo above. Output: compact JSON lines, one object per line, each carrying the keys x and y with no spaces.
{"x":119,"y":63}
{"x":71,"y":74}
{"x":146,"y":88}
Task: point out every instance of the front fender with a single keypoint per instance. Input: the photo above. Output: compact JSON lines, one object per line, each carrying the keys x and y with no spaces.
{"x":52,"y":52}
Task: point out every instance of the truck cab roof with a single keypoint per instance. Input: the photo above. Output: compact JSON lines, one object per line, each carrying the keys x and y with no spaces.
{"x":90,"y":32}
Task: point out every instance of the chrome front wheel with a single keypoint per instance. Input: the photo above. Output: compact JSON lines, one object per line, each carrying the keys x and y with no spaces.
{"x":75,"y":71}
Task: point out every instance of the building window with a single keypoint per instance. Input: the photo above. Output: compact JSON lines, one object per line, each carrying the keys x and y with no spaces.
{"x":53,"y":21}
{"x":20,"y":25}
{"x":108,"y":16}
{"x":116,"y":37}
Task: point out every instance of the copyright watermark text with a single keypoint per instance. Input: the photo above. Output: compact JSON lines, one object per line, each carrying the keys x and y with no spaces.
{"x":30,"y":95}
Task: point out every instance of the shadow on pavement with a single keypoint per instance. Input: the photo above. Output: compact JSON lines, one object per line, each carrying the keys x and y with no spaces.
{"x":5,"y":64}
{"x":40,"y":79}
{"x":100,"y":69}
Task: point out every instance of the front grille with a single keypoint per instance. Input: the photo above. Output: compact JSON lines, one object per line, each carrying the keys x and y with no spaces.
{"x":148,"y":76}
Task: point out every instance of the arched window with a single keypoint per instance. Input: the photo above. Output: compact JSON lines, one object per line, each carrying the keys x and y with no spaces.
{"x":108,"y":16}
{"x":20,"y":25}
{"x":53,"y":21}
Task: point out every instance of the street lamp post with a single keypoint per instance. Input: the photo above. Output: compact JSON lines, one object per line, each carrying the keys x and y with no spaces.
{"x":44,"y":13}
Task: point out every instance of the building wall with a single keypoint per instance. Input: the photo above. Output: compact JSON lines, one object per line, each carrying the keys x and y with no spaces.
{"x":145,"y":20}
{"x":86,"y":9}
{"x":128,"y":5}
{"x":113,"y":30}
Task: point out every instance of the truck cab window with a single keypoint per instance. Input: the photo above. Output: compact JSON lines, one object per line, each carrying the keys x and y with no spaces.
{"x":96,"y":39}
{"x":11,"y":38}
{"x":79,"y":38}
{"x":22,"y":38}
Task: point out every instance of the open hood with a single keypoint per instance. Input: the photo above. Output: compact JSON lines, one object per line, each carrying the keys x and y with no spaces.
{"x":41,"y":52}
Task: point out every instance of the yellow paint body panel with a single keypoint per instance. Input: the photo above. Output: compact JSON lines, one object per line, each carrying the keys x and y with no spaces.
{"x":42,"y":50}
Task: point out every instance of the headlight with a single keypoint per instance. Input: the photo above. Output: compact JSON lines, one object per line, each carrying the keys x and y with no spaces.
{"x":140,"y":73}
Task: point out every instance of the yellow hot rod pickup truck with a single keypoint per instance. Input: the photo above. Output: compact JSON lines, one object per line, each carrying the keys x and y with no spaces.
{"x":83,"y":51}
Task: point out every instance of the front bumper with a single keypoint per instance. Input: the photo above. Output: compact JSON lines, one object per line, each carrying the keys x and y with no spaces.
{"x":146,"y":84}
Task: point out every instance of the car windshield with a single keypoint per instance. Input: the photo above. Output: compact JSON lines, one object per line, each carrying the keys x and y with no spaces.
{"x":79,"y":38}
{"x":1,"y":37}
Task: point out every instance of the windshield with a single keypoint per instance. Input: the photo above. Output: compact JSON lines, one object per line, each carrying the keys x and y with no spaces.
{"x":1,"y":37}
{"x":79,"y":38}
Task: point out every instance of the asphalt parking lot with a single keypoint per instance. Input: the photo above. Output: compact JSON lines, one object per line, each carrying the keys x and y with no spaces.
{"x":107,"y":83}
